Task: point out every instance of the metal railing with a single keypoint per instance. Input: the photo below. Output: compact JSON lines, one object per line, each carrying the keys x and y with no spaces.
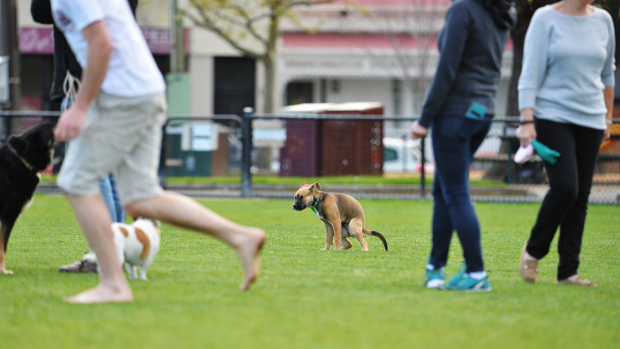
{"x":338,"y":147}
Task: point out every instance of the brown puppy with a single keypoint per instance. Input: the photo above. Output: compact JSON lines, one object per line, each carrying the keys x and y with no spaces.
{"x":342,"y":215}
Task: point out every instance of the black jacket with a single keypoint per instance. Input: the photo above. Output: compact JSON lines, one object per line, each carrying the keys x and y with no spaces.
{"x":64,"y":59}
{"x":471,"y":46}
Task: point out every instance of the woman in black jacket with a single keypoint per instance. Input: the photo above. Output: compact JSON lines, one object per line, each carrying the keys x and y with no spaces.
{"x":459,"y":107}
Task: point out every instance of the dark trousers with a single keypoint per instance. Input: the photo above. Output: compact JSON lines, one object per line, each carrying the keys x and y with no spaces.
{"x":455,"y":140}
{"x":566,"y":203}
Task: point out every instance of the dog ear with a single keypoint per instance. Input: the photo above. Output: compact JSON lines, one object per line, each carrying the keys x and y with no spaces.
{"x":304,"y":184}
{"x":316,"y":186}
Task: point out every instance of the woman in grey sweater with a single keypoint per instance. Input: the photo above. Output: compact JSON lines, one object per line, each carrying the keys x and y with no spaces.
{"x":566,"y":100}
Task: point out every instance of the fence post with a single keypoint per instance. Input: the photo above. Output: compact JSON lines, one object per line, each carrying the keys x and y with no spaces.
{"x":423,"y":168}
{"x":7,"y":128}
{"x":163,"y":156}
{"x":246,"y":155}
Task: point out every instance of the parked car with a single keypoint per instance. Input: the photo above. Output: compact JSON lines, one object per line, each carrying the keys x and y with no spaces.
{"x":403,"y":156}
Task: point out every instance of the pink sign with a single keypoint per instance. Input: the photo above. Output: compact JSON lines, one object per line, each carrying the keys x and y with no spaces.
{"x":36,"y":40}
{"x":41,"y":40}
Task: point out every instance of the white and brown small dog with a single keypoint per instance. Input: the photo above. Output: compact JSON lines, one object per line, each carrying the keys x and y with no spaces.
{"x":137,"y":244}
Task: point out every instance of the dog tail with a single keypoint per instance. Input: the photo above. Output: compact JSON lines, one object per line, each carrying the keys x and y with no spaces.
{"x":377,"y":234}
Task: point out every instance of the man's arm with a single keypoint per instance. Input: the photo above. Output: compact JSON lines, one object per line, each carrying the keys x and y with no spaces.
{"x":100,"y":49}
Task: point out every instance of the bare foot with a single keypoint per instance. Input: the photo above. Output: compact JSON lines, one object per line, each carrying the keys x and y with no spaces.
{"x":248,"y":247}
{"x":102,"y":294}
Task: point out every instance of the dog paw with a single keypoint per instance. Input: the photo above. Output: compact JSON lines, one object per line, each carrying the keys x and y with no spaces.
{"x":6,"y":272}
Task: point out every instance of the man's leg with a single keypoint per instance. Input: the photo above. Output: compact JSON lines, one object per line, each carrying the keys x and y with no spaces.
{"x":184,"y":212}
{"x":94,"y":219}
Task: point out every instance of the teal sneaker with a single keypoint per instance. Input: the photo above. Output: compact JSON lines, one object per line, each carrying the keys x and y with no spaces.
{"x":435,"y":278}
{"x":464,"y":282}
{"x":460,"y":275}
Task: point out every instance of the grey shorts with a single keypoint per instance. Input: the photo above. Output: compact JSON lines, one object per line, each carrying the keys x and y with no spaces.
{"x":121,"y":136}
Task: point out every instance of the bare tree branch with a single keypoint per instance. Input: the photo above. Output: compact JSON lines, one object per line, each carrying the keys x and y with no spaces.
{"x":296,"y":3}
{"x":236,"y":21}
{"x":208,"y":24}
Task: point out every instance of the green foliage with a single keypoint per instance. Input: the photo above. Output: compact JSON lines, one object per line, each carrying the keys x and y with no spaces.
{"x":308,"y":298}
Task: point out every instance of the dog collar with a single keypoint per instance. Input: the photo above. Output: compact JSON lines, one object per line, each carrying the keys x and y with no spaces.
{"x":26,"y":163}
{"x":313,"y":207}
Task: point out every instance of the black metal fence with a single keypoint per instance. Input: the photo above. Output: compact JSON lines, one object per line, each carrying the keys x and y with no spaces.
{"x":362,"y":155}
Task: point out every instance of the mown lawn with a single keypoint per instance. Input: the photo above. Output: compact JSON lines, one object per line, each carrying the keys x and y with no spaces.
{"x":308,"y":298}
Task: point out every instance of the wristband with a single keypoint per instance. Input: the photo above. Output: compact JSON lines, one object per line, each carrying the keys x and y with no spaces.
{"x":526,"y":122}
{"x":608,"y":122}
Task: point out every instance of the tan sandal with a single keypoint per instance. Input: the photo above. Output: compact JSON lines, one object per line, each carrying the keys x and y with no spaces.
{"x":528,"y":269}
{"x":577,"y":280}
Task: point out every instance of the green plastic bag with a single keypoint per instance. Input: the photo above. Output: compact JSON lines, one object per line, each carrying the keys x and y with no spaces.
{"x":549,"y":155}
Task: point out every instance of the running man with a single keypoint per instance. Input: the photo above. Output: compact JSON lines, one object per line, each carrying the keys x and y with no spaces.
{"x":115,"y":126}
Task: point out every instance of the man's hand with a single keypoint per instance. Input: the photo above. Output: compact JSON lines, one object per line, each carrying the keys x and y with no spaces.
{"x":70,"y":124}
{"x":418,"y":131}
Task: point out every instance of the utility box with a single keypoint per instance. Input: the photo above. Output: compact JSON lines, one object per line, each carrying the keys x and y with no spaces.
{"x":301,"y":154}
{"x":188,"y":162}
{"x":352,"y":147}
{"x":332,"y":147}
{"x":197,"y":149}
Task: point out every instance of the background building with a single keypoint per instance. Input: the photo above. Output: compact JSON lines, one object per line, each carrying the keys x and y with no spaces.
{"x":383,"y":51}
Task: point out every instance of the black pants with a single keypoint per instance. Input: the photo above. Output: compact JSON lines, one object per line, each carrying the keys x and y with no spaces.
{"x":566,"y":203}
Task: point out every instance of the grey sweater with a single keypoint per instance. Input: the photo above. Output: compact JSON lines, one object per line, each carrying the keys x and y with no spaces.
{"x":567,"y":63}
{"x":470,"y":45}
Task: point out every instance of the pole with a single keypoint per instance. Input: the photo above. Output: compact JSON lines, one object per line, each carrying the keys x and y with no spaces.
{"x":423,"y":168}
{"x":246,"y":155}
{"x":9,"y":48}
{"x":177,"y":39}
{"x":163,"y":155}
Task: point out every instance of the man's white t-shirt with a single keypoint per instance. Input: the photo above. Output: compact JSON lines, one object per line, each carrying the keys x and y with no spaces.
{"x":132,"y":71}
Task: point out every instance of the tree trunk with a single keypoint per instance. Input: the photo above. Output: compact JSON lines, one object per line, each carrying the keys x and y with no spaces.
{"x":9,"y":47}
{"x":613,"y":7}
{"x":270,"y":60}
{"x":269,"y":93}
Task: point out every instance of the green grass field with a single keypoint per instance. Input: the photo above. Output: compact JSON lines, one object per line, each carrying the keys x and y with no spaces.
{"x":308,"y":298}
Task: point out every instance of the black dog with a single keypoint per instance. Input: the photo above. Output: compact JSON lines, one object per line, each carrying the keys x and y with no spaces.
{"x":21,"y":158}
